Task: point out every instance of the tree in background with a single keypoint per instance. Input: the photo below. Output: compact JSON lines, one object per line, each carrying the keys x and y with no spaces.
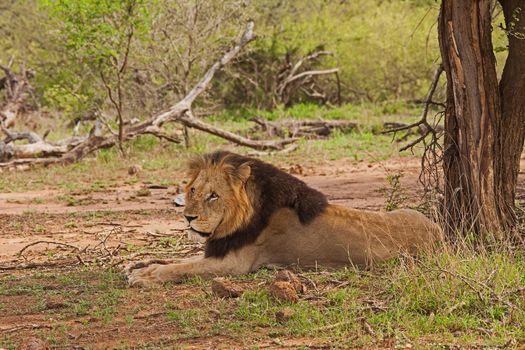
{"x":99,"y":35}
{"x":484,"y":120}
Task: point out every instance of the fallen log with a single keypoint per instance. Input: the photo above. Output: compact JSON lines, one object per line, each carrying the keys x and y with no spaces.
{"x":303,"y":128}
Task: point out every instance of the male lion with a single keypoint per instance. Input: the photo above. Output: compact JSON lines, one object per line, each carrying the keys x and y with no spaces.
{"x":251,"y":214}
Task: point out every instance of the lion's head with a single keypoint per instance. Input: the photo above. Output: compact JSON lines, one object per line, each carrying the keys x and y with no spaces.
{"x":230,"y":199}
{"x":217,"y":200}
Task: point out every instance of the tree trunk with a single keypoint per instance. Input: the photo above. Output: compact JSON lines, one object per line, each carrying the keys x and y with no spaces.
{"x":472,"y":116}
{"x":484,"y":128}
{"x":512,"y":92}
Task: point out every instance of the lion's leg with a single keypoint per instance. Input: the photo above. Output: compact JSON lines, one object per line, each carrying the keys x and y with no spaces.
{"x":232,"y":264}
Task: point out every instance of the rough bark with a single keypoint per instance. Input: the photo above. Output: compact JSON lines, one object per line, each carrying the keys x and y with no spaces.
{"x":512,"y":91}
{"x":481,"y":155}
{"x":472,"y":117}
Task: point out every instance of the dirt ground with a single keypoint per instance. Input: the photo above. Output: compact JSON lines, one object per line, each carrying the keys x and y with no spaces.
{"x":49,"y":250}
{"x":142,"y":212}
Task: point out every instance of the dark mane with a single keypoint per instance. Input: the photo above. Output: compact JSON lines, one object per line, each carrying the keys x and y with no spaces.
{"x":274,"y":190}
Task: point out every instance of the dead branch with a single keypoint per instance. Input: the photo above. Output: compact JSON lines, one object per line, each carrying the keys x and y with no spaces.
{"x":193,"y":122}
{"x":309,"y":73}
{"x":286,"y":150}
{"x":180,"y":113}
{"x":14,"y":136}
{"x":47,"y":242}
{"x":17,"y":89}
{"x":24,"y":326}
{"x":290,"y":80}
{"x":37,"y":146}
{"x":303,"y":128}
{"x":158,"y":132}
{"x":423,"y":124}
{"x":311,"y":56}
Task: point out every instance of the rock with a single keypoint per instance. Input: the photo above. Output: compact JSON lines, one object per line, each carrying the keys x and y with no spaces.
{"x":34,"y":344}
{"x":179,"y":200}
{"x":283,"y":291}
{"x":134,"y":169}
{"x":289,"y":276}
{"x":284,"y":315}
{"x":223,"y":288}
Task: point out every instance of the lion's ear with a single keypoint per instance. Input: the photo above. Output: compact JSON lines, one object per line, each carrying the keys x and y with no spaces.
{"x":240,"y":174}
{"x":244,"y":171}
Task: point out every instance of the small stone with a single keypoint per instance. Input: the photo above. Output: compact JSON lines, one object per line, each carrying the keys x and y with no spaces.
{"x":284,"y":315}
{"x":283,"y":291}
{"x":34,"y":344}
{"x":223,"y":288}
{"x":134,"y":169}
{"x":289,"y":276}
{"x":180,"y":200}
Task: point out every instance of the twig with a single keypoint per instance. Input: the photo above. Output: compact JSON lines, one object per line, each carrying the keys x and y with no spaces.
{"x":46,"y":242}
{"x":422,"y":122}
{"x":36,"y":266}
{"x":25,"y":326}
{"x":335,"y":325}
{"x":471,"y":283}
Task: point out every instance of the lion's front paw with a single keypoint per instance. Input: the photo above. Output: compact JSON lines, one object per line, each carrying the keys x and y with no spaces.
{"x":145,"y":276}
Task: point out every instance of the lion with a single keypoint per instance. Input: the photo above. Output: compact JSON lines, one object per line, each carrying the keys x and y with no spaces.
{"x":250,"y":214}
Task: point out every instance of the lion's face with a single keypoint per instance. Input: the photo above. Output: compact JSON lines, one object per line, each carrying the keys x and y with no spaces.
{"x":217,"y":202}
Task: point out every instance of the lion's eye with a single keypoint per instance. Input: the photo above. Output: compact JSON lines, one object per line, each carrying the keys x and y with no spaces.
{"x":192,"y":190}
{"x":213,"y":196}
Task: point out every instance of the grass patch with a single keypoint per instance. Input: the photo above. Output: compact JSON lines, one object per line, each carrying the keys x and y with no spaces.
{"x":460,"y":299}
{"x":444,"y":300}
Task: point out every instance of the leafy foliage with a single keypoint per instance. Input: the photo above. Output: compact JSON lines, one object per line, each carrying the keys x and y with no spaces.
{"x":385,"y":50}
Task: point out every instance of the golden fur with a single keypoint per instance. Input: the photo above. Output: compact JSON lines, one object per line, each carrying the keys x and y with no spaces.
{"x":228,"y":205}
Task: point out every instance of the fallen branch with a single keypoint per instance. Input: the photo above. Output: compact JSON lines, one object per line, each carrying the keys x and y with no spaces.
{"x":46,"y":242}
{"x":180,"y":113}
{"x":24,"y":326}
{"x":305,"y":128}
{"x":17,"y":89}
{"x":286,"y":150}
{"x":193,"y":122}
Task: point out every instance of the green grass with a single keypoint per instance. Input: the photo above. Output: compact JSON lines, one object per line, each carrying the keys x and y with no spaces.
{"x":418,"y":302}
{"x":368,"y":115}
{"x":447,"y":299}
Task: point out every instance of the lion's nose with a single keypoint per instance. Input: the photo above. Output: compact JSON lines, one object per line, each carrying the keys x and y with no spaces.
{"x":190,"y":218}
